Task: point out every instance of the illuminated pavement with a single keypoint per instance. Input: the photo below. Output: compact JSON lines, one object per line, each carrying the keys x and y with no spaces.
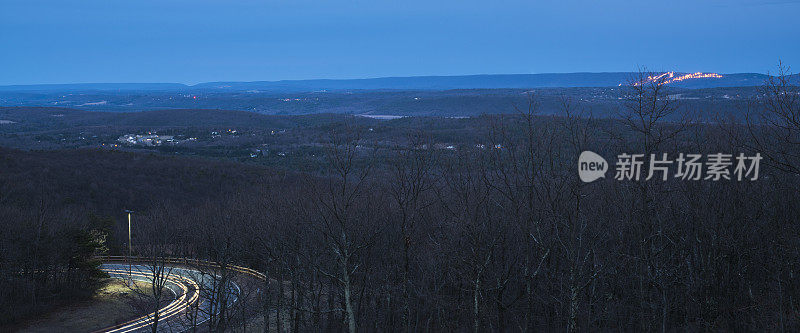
{"x":187,"y":302}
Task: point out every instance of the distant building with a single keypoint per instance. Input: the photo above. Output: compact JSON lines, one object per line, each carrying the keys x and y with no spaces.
{"x":150,"y":140}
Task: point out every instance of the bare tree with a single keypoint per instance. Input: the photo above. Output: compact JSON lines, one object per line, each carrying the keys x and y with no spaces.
{"x":344,"y":219}
{"x":773,"y":121}
{"x":410,"y":187}
{"x":656,"y":121}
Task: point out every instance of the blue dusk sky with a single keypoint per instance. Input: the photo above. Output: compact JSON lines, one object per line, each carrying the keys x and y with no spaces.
{"x":80,"y":41}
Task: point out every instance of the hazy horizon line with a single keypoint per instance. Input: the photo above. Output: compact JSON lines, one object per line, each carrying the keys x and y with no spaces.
{"x":190,"y":84}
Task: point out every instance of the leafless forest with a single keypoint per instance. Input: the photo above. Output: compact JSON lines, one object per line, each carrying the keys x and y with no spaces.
{"x":501,"y":237}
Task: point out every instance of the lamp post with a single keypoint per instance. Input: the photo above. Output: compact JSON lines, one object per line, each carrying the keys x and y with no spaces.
{"x":130,"y":248}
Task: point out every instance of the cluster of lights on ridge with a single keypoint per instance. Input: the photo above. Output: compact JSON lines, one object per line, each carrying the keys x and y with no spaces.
{"x":670,"y":77}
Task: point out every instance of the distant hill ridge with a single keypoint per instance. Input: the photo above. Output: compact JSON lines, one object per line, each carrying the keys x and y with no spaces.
{"x":484,"y":81}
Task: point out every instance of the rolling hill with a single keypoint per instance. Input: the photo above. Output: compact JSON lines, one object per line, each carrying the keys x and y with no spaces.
{"x":487,"y":81}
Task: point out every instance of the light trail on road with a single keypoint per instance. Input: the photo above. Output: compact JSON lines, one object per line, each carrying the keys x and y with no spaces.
{"x":173,"y":308}
{"x":188,"y":297}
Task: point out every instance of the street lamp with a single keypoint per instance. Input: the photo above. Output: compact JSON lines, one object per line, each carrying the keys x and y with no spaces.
{"x":129,"y":242}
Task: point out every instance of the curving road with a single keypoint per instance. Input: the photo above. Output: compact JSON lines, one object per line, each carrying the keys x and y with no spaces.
{"x":189,"y":303}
